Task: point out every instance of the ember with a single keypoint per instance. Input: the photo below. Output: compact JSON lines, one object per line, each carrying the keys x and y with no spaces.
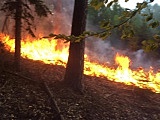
{"x":47,"y":51}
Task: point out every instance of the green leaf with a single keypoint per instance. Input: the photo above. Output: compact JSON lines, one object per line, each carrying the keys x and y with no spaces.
{"x":144,"y":5}
{"x":78,"y":40}
{"x":52,"y":35}
{"x":144,"y":42}
{"x":110,"y":4}
{"x":106,"y":1}
{"x":154,"y":24}
{"x":86,"y":33}
{"x":157,"y":37}
{"x":138,"y":5}
{"x":104,"y":24}
{"x":124,"y":36}
{"x":97,"y":4}
{"x":152,"y":47}
{"x":149,"y":18}
{"x":131,"y":33}
{"x":104,"y":35}
{"x":126,"y":13}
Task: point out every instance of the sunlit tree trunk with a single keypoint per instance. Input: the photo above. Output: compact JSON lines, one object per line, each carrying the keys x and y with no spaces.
{"x":74,"y":69}
{"x":18,"y":16}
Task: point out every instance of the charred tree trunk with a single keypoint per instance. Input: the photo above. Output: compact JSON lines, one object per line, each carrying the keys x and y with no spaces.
{"x":74,"y":70}
{"x":18,"y":16}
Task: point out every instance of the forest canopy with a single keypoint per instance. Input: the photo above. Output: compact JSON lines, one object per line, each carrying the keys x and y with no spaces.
{"x":139,"y":32}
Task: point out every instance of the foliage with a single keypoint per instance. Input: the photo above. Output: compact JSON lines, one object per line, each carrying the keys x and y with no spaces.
{"x":97,"y":4}
{"x":113,"y":20}
{"x":110,"y":19}
{"x":9,"y":7}
{"x":108,"y":23}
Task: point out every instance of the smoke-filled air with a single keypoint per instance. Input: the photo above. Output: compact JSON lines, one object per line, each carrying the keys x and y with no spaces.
{"x":125,"y":60}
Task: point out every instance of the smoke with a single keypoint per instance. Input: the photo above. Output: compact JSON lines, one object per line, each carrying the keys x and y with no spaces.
{"x":103,"y":52}
{"x":62,"y":15}
{"x":96,"y":49}
{"x":59,"y":22}
{"x":141,"y":58}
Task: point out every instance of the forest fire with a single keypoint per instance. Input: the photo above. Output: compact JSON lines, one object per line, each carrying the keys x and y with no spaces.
{"x":49,"y":52}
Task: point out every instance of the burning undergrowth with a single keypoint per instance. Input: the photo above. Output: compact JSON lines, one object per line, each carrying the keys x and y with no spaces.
{"x":102,"y":99}
{"x":101,"y":58}
{"x":118,"y":70}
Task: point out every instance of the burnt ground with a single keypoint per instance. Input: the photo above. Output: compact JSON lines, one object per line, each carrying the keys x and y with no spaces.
{"x":23,"y":97}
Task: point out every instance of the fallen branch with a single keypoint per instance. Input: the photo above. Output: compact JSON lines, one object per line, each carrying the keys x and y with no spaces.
{"x":3,"y":86}
{"x":109,"y":95}
{"x":58,"y":116}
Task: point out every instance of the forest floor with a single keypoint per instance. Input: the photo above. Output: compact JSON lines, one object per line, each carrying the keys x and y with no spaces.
{"x":22,"y":97}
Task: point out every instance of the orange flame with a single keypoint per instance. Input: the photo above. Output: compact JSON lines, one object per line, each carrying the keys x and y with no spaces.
{"x":49,"y":52}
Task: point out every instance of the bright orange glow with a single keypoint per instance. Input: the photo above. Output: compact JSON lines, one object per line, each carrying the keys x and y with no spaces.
{"x":50,"y":52}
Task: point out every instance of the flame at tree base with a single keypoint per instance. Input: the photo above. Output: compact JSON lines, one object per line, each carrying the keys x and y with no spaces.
{"x":49,"y":52}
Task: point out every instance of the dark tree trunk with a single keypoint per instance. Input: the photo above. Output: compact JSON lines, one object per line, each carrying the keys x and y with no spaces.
{"x":74,"y":70}
{"x":18,"y":16}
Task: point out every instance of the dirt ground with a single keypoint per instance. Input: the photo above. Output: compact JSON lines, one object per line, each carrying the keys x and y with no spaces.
{"x":22,"y":97}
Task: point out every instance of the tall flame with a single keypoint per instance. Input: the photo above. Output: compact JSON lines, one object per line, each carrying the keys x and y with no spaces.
{"x":50,"y":52}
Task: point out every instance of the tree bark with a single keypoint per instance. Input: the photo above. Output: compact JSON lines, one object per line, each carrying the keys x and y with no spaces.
{"x":74,"y":69}
{"x":18,"y":16}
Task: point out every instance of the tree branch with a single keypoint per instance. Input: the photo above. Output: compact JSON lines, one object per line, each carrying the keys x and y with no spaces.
{"x":55,"y":107}
{"x":88,"y":34}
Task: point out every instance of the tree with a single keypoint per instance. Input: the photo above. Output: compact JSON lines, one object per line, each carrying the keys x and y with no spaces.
{"x":18,"y":16}
{"x":19,"y":10}
{"x":74,"y":70}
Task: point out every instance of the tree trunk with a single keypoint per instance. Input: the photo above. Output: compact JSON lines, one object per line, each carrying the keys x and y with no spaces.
{"x":74,"y":69}
{"x":18,"y":16}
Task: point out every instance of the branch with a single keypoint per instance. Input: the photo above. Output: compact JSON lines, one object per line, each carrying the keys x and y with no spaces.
{"x":58,"y":116}
{"x":118,"y":25}
{"x":88,"y":34}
